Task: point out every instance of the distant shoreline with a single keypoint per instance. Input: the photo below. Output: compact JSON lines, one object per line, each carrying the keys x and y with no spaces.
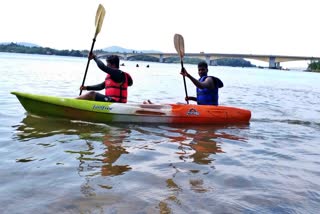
{"x":17,"y":48}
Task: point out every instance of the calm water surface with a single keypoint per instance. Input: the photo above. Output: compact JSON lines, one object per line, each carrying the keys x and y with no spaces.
{"x":53,"y":165}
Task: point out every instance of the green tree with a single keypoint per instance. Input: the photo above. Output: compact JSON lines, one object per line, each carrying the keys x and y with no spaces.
{"x":314,"y":66}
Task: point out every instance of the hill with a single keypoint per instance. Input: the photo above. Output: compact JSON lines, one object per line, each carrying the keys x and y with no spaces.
{"x":26,"y":44}
{"x":118,"y":49}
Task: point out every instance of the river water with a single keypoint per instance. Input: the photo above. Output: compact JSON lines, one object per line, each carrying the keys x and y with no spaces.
{"x":51,"y":165}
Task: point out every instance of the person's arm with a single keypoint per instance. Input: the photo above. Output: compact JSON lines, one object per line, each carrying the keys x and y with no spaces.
{"x":130,"y":81}
{"x":191,"y":98}
{"x":116,"y":74}
{"x":97,"y":87}
{"x":208,"y":83}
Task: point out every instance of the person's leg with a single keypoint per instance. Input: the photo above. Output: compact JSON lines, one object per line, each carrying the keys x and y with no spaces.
{"x":88,"y":96}
{"x":103,"y":98}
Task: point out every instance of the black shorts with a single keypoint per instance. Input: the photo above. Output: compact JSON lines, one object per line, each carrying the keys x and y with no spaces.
{"x":103,"y":98}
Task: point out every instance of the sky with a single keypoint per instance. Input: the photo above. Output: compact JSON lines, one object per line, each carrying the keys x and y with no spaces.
{"x":275,"y":27}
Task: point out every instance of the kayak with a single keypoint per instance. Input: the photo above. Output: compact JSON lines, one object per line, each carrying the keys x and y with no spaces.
{"x":107,"y":112}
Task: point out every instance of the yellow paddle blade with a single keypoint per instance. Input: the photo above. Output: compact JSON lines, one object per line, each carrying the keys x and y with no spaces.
{"x":101,"y":12}
{"x":179,"y":44}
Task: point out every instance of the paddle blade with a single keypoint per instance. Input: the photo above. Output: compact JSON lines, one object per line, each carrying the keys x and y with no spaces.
{"x":101,"y":12}
{"x":179,"y":44}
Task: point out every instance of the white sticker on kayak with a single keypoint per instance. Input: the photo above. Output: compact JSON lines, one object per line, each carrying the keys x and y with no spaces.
{"x":102,"y":108}
{"x":193,"y":111}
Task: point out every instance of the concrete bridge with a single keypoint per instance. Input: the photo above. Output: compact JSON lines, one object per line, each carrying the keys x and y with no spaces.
{"x":273,"y":60}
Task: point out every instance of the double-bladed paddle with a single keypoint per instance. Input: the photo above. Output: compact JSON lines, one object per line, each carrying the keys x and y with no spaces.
{"x":98,"y":22}
{"x":179,"y":45}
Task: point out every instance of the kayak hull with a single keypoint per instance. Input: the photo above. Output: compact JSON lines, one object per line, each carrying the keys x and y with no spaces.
{"x":107,"y":112}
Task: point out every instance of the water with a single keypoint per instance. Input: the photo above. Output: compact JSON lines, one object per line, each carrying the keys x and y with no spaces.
{"x":51,"y":165}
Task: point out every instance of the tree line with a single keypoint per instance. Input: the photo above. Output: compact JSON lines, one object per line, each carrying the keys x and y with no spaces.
{"x":234,"y":62}
{"x":16,"y":48}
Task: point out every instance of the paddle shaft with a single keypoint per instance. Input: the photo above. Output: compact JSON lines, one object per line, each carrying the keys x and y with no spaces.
{"x":184,"y":82}
{"x":85,"y":74}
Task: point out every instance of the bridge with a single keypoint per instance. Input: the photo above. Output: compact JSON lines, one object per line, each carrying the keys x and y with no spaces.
{"x":273,"y":60}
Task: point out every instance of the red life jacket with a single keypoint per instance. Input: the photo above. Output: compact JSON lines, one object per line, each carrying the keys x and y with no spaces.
{"x":117,"y":91}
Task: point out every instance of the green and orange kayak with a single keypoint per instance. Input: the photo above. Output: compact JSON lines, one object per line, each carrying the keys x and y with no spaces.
{"x":107,"y":112}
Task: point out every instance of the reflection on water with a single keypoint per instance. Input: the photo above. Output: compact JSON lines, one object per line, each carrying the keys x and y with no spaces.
{"x":196,"y":144}
{"x":111,"y":137}
{"x":118,"y":160}
{"x":199,"y":143}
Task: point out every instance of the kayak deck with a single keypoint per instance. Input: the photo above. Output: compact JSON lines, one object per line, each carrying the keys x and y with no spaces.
{"x":106,"y":112}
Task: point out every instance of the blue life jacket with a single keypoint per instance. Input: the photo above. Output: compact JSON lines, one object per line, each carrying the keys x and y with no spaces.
{"x":209,"y":96}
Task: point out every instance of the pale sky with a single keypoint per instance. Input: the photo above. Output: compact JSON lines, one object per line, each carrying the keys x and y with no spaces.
{"x":277,"y":27}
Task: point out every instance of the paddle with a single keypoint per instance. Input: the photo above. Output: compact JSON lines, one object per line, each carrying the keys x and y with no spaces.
{"x":179,"y":45}
{"x":98,"y":22}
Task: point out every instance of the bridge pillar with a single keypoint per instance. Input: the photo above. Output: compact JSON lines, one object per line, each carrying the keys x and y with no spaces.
{"x":125,"y":57}
{"x":214,"y":63}
{"x":161,"y":58}
{"x":208,"y":59}
{"x":272,"y":62}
